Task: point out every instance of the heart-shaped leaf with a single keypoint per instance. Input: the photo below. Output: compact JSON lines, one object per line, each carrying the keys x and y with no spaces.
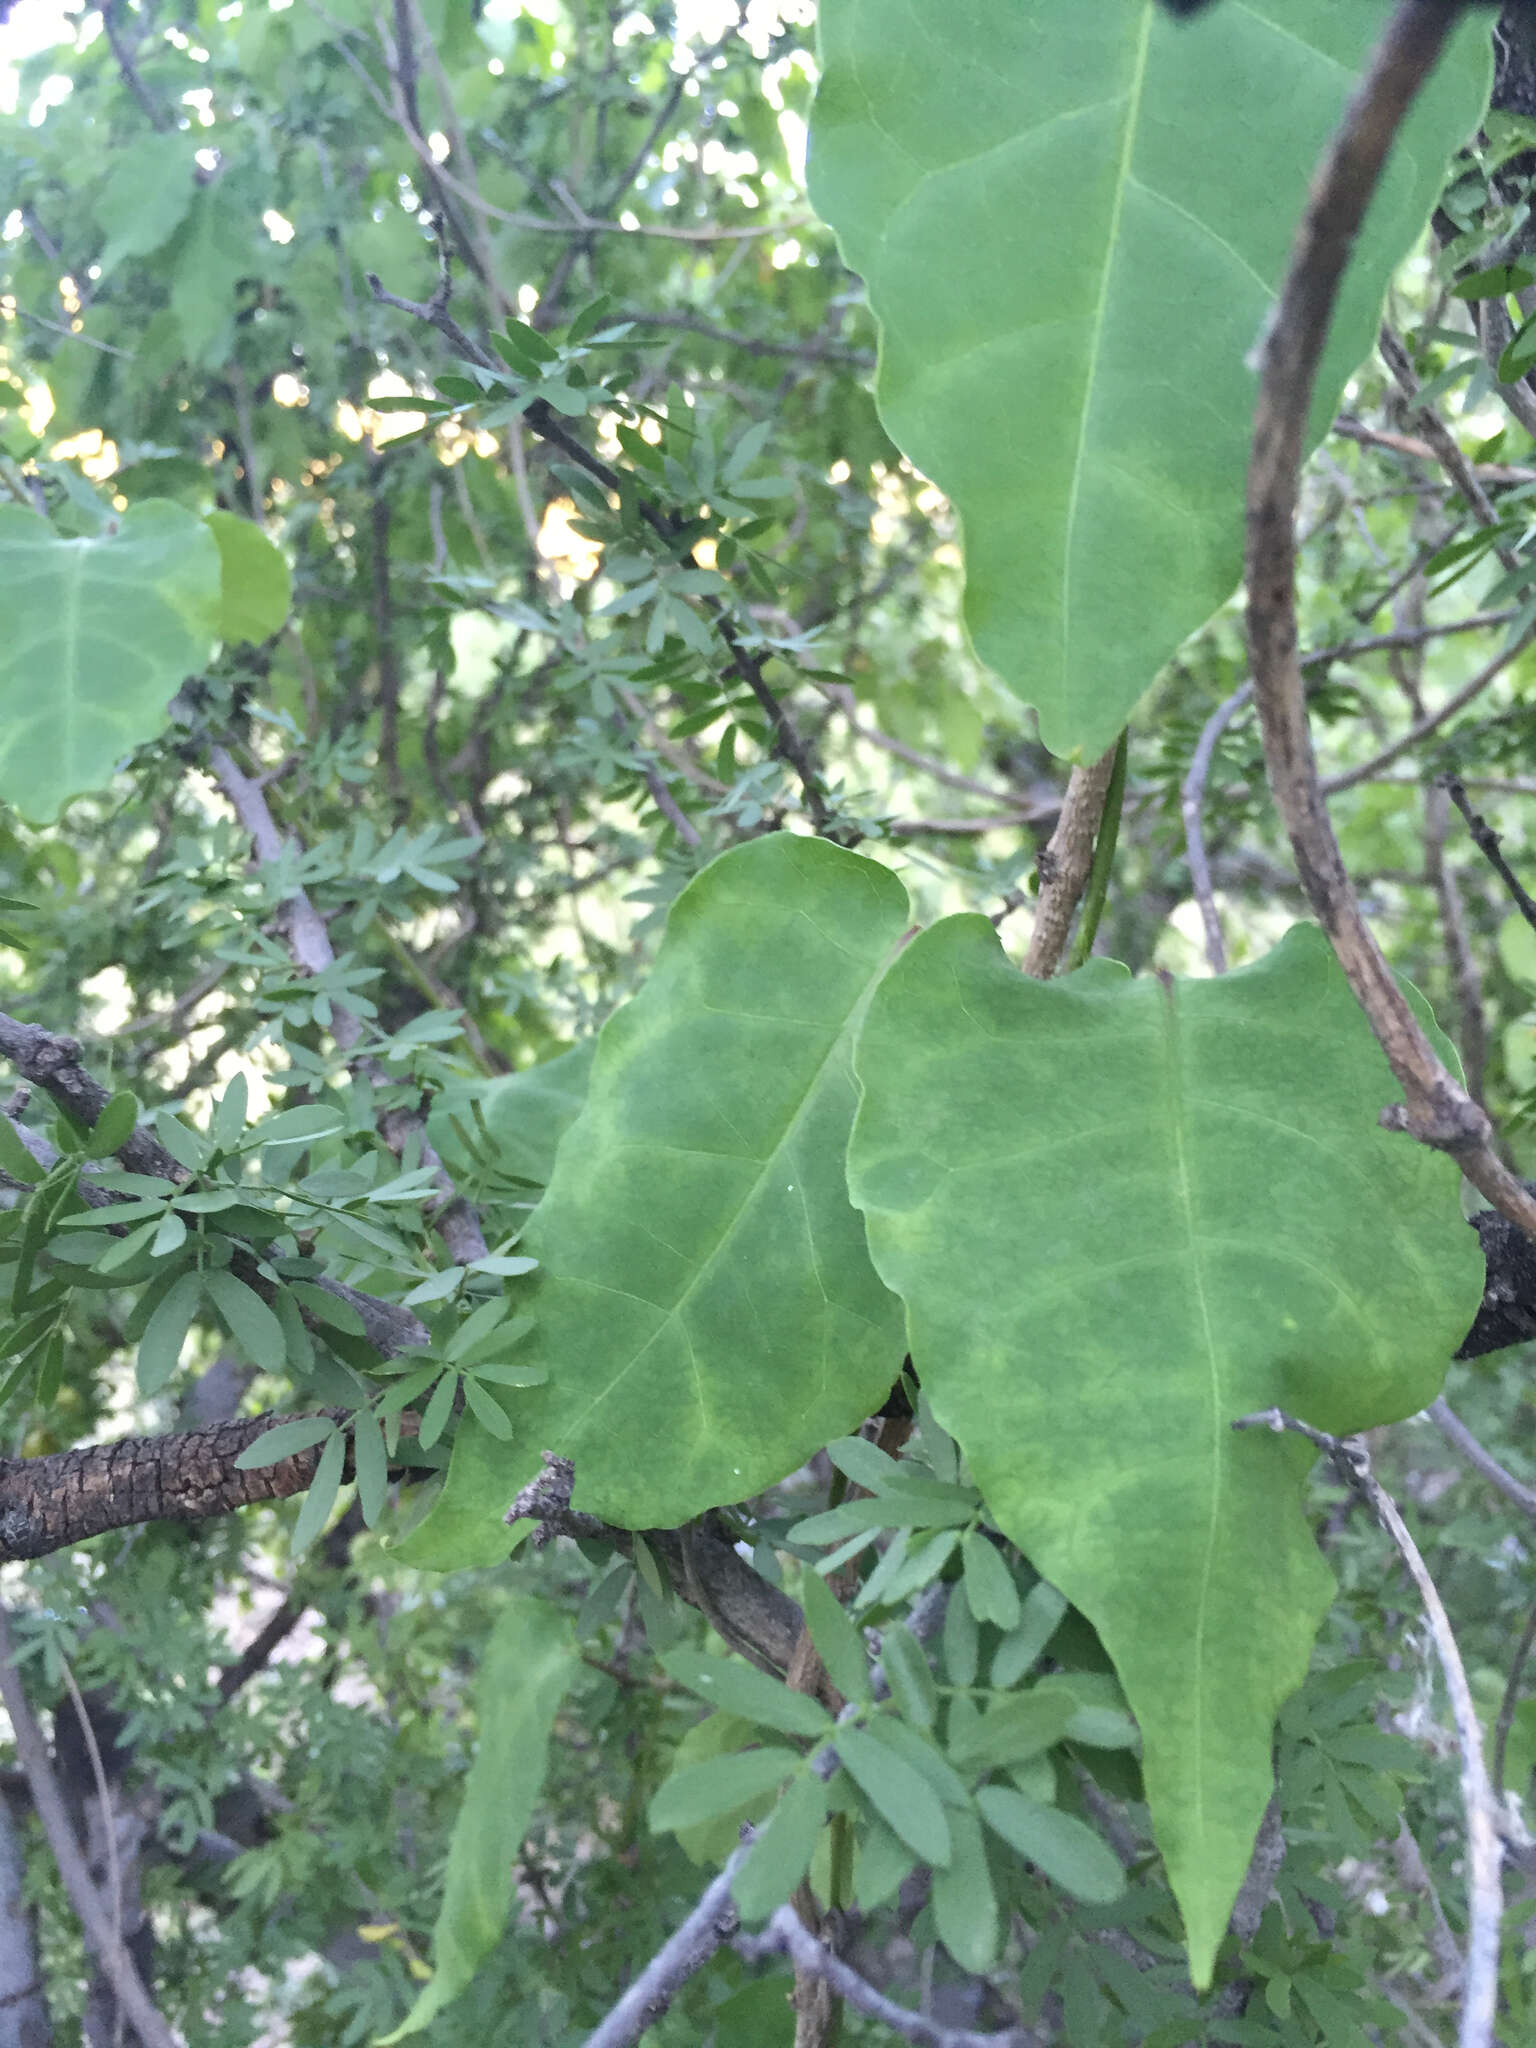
{"x":1072,"y":221}
{"x":100,"y":635}
{"x":1124,"y":1213}
{"x":705,"y":1304}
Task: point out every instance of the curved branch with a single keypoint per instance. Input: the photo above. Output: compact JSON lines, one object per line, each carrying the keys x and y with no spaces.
{"x":1436,"y":1109}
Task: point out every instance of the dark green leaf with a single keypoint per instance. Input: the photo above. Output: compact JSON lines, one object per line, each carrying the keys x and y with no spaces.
{"x":908,"y":1675}
{"x":964,"y":1903}
{"x":1067,"y":1851}
{"x":114,"y":1127}
{"x":989,"y":1584}
{"x":248,"y":1319}
{"x":839,"y":1643}
{"x":700,"y":1791}
{"x":166,"y":1331}
{"x":369,"y":1466}
{"x":782,"y":1853}
{"x":321,"y":1497}
{"x":901,"y":1796}
{"x":739,"y":1688}
{"x":285,"y":1440}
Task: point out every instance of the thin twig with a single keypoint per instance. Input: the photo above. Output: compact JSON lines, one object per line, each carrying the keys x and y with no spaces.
{"x":1065,"y":863}
{"x":1441,"y":441}
{"x":1485,"y":1902}
{"x":117,"y":1966}
{"x":711,"y":1923}
{"x":1437,"y":1109}
{"x":1431,"y":722}
{"x":1466,"y":977}
{"x":787,"y":1935}
{"x":745,"y":663}
{"x":1486,"y":840}
{"x":1460,"y":1438}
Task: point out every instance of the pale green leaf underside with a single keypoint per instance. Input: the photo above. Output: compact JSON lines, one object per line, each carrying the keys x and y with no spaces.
{"x":1123,"y":1214}
{"x":525,"y":1670}
{"x":1072,"y":220}
{"x":100,"y":635}
{"x":705,"y":1304}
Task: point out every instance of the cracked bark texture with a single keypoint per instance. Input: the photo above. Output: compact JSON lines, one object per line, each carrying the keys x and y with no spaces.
{"x":69,"y":1496}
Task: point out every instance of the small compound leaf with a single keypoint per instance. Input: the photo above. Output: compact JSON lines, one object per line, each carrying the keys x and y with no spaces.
{"x":883,"y":1861}
{"x":900,"y":1795}
{"x":699,"y":1792}
{"x":166,"y":1332}
{"x":964,"y":1903}
{"x":434,"y":1417}
{"x":248,"y":1319}
{"x":839,"y":1642}
{"x":908,"y":1675}
{"x":739,"y":1688}
{"x":782,"y":1852}
{"x":370,"y":1467}
{"x":114,"y":1127}
{"x":1064,"y":1848}
{"x":483,"y":1405}
{"x":525,"y":1671}
{"x":1017,"y":1726}
{"x":989,"y":1584}
{"x":321,"y":1497}
{"x":285,"y":1440}
{"x":1023,"y":1645}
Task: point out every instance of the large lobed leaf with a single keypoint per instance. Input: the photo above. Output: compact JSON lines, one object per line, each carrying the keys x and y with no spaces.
{"x":1072,"y":221}
{"x":1123,"y":1213}
{"x":100,"y":634}
{"x":705,"y":1305}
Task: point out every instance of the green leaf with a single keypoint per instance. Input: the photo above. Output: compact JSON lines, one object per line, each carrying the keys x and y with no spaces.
{"x":484,"y":1406}
{"x":329,"y":1308}
{"x":883,"y":1862}
{"x":782,"y":1852}
{"x":1123,"y":1214}
{"x":321,"y":1497}
{"x":434,"y":1417}
{"x":369,"y":1465}
{"x":526,"y":1669}
{"x":839,"y":1642}
{"x":525,"y":1115}
{"x":964,"y":1903}
{"x":1015,"y":1728}
{"x":1035,"y":231}
{"x":907,"y":1673}
{"x":292,"y":1127}
{"x":989,"y":1584}
{"x":900,"y":1795}
{"x":100,"y":634}
{"x":145,"y":196}
{"x":700,"y":1791}
{"x":248,"y":1319}
{"x":465,"y":1526}
{"x":15,"y":1158}
{"x":962,"y":1655}
{"x":166,"y":1332}
{"x":740,"y":1688}
{"x":285,"y":1440}
{"x":255,"y":589}
{"x":114,"y":1127}
{"x":1020,"y":1649}
{"x":187,"y":1147}
{"x":123,"y":1251}
{"x":229,"y":1116}
{"x":1064,"y":1848}
{"x":701,"y":1268}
